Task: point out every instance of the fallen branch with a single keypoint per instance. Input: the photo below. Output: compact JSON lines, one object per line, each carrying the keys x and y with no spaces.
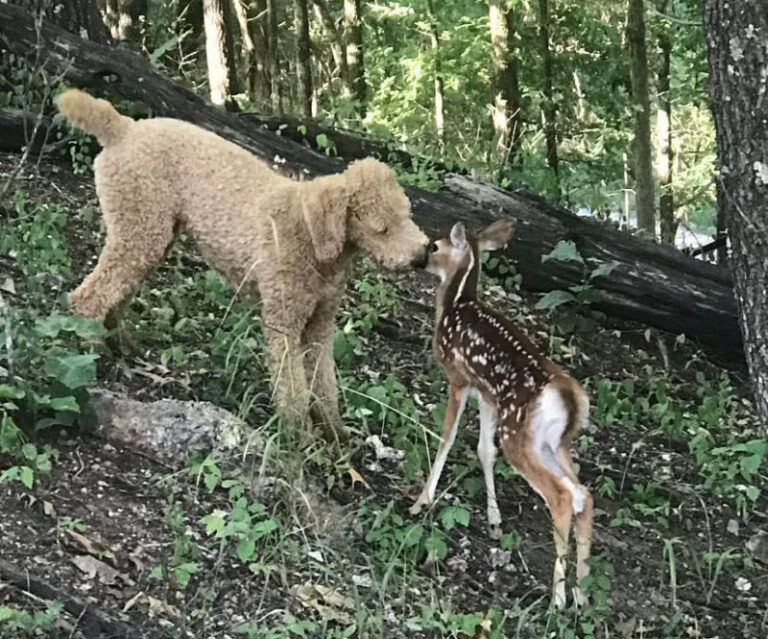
{"x":91,"y":621}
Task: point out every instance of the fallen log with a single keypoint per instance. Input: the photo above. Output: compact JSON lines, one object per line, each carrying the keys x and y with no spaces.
{"x":651,"y":284}
{"x":19,"y":130}
{"x":91,"y":621}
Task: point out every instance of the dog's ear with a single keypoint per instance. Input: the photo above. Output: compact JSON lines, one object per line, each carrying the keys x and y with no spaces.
{"x":324,"y":207}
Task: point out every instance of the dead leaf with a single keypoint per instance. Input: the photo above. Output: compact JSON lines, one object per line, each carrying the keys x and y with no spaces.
{"x":328,"y":602}
{"x":95,"y":567}
{"x":357,"y":478}
{"x":8,"y":286}
{"x":48,"y":509}
{"x":156,"y":606}
{"x":94,"y":547}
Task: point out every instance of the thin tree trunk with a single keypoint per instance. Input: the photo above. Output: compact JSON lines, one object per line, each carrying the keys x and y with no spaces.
{"x":303,"y":54}
{"x":353,"y":31}
{"x":232,"y":46}
{"x":736,"y":33}
{"x":337,"y":46}
{"x":434,"y":39}
{"x":505,"y":87}
{"x":664,"y":138}
{"x":550,"y":108}
{"x":273,"y":64}
{"x":215,"y":52}
{"x":247,"y":48}
{"x":640,"y":98}
{"x":258,"y":26}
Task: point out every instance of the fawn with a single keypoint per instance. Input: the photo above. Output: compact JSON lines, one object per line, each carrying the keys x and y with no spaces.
{"x":533,"y":405}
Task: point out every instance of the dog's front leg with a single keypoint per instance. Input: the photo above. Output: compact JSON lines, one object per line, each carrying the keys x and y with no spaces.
{"x":321,"y":371}
{"x":291,"y":392}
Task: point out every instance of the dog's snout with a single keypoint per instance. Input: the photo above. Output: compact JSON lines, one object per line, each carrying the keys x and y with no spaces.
{"x":421,"y":259}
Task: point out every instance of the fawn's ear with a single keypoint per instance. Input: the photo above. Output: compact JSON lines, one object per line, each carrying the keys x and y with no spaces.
{"x":459,"y":236}
{"x":496,"y":235}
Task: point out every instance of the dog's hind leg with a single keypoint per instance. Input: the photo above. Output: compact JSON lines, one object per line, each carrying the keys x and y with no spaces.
{"x":317,"y":340}
{"x":135,"y":243}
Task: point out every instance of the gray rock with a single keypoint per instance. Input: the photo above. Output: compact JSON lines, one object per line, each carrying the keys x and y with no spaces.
{"x":167,"y":429}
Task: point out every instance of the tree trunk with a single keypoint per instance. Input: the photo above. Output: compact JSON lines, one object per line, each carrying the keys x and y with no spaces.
{"x":434,"y":40}
{"x":652,"y":283}
{"x":247,"y":47}
{"x":232,"y":47}
{"x":644,"y":204}
{"x":353,"y":31}
{"x":550,"y":108}
{"x":736,"y":35}
{"x":215,"y":52}
{"x":664,"y":138}
{"x":505,"y":87}
{"x":303,"y":54}
{"x":337,"y":46}
{"x":273,"y":63}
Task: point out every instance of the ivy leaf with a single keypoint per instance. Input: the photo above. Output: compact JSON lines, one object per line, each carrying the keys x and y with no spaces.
{"x":553,"y":299}
{"x":27,"y":476}
{"x":245,"y":548}
{"x":74,"y":371}
{"x":564,"y":251}
{"x":606,"y":268}
{"x":65,"y":404}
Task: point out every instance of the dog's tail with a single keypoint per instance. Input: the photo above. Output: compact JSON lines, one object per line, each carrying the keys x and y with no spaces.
{"x":93,"y":115}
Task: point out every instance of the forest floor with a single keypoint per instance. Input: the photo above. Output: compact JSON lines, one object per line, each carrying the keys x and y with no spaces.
{"x":283,"y":542}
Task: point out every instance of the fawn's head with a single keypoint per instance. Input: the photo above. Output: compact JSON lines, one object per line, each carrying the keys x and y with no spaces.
{"x":457,"y":256}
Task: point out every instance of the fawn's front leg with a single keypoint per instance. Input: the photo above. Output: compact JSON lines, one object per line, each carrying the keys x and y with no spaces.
{"x":457,"y":400}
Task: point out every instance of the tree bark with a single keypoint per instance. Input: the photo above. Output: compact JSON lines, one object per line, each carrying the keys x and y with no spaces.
{"x":550,"y":108}
{"x":215,"y":52}
{"x":664,"y":137}
{"x":353,"y":32}
{"x":336,"y":43}
{"x":643,"y":167}
{"x":505,"y":86}
{"x":653,"y":283}
{"x":303,"y":62}
{"x":273,"y":64}
{"x":736,"y":34}
{"x":434,"y":40}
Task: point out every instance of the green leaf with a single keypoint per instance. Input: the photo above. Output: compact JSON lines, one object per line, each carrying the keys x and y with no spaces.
{"x":29,"y":451}
{"x":10,"y":392}
{"x":246,"y":548}
{"x":322,"y":140}
{"x":264,"y":527}
{"x":214,"y":523}
{"x":27,"y":476}
{"x":74,"y":371}
{"x":435,"y":546}
{"x":605,"y":268}
{"x":553,"y":299}
{"x":565,"y":251}
{"x":65,"y":404}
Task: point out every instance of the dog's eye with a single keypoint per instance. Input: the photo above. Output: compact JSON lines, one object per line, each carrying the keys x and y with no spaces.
{"x":385,"y":230}
{"x":433,"y":247}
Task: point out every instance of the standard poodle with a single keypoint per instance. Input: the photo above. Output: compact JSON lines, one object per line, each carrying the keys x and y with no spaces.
{"x":288,"y":243}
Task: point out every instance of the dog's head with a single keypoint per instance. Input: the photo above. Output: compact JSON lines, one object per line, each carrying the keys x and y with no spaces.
{"x":366,"y":208}
{"x":380,"y":217}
